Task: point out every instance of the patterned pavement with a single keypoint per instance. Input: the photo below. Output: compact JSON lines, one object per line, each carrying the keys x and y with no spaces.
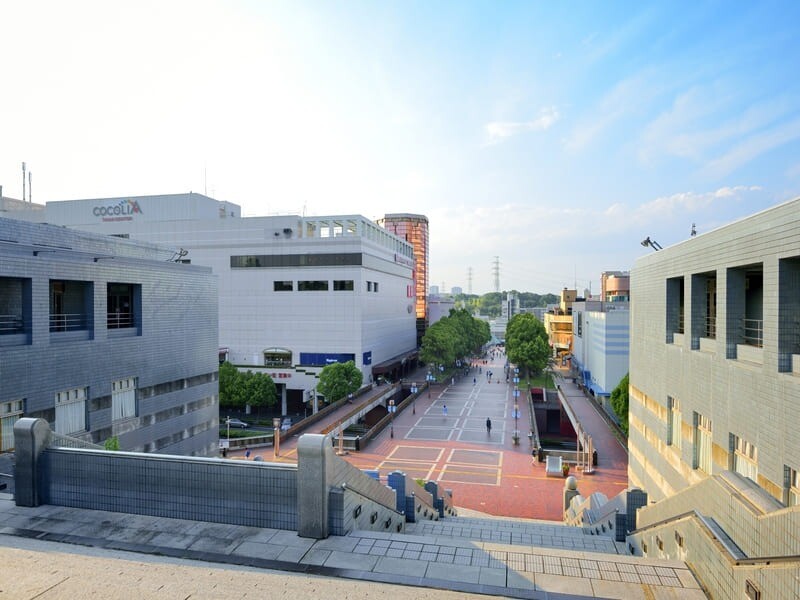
{"x":485,"y":470}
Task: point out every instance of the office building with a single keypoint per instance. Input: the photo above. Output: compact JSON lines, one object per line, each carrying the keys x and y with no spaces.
{"x":106,"y":337}
{"x":295,"y":293}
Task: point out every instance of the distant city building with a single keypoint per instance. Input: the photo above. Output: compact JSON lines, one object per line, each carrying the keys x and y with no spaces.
{"x":600,"y":345}
{"x":558,"y":323}
{"x":295,"y":293}
{"x":106,"y":337}
{"x":438,"y":307}
{"x":414,"y":230}
{"x":615,"y":286}
{"x":456,"y":291}
{"x":433,"y":290}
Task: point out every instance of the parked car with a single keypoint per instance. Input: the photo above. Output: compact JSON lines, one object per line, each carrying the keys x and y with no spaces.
{"x":237,"y":423}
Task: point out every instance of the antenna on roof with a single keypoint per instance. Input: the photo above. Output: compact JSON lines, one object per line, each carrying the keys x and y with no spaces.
{"x":694,"y":230}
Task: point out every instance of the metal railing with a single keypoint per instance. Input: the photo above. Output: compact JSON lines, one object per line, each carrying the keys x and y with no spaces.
{"x":710,"y":327}
{"x":119,"y":320}
{"x":68,"y":322}
{"x":11,"y":324}
{"x":753,"y":332}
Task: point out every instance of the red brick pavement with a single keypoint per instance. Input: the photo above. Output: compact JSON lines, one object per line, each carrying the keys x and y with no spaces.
{"x":495,"y":478}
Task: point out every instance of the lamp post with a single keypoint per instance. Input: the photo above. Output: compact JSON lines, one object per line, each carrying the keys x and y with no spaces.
{"x":392,"y":409}
{"x":516,"y":415}
{"x":414,"y":401}
{"x":429,"y":378}
{"x":276,"y":436}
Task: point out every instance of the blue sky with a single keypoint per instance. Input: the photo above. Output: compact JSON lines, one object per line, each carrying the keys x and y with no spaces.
{"x":554,"y":136}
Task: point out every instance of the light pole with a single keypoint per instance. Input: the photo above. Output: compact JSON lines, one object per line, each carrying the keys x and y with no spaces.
{"x":392,"y":408}
{"x":516,"y":414}
{"x":276,"y":436}
{"x":429,"y":378}
{"x":414,"y":401}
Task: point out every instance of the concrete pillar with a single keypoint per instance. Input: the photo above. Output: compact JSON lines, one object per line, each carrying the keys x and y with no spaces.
{"x":314,"y":475}
{"x":570,"y":491}
{"x":31,"y":439}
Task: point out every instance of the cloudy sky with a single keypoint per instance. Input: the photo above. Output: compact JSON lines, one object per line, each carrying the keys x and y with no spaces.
{"x":554,"y":136}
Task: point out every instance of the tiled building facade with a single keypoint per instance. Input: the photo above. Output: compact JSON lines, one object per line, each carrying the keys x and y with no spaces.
{"x":104,"y":337}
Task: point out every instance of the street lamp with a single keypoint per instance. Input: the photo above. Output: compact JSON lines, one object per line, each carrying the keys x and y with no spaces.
{"x":392,"y":409}
{"x":516,"y":414}
{"x":276,"y":436}
{"x":414,"y":401}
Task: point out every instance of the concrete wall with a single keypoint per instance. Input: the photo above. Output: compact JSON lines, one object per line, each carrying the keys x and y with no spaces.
{"x":731,"y":531}
{"x":172,"y":353}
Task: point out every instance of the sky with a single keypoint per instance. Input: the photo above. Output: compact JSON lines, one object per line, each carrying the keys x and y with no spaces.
{"x":545,"y":138}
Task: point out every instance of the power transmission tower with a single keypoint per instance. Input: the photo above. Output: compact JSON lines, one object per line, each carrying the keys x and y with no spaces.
{"x":469,"y":280}
{"x":496,"y":273}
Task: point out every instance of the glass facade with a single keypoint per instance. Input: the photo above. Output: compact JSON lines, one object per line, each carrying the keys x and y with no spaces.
{"x":414,"y":229}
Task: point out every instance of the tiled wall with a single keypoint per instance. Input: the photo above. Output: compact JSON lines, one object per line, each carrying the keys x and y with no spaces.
{"x":748,"y":517}
{"x":204,"y":489}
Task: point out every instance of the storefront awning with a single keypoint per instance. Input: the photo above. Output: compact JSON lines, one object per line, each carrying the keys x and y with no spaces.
{"x":393,"y":363}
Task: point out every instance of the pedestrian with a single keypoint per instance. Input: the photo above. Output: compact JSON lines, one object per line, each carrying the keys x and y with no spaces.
{"x":247,"y":453}
{"x":488,"y":426}
{"x":452,"y":381}
{"x":474,"y":381}
{"x":444,"y":410}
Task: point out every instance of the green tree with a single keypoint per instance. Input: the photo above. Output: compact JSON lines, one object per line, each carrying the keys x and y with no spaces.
{"x":489,"y":304}
{"x":619,"y":402}
{"x":337,"y":380}
{"x":452,"y":337}
{"x":238,"y":389}
{"x":438,"y":345}
{"x":112,"y":443}
{"x":526,"y":343}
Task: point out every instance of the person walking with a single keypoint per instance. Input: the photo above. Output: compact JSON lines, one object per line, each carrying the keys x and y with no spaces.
{"x":247,"y":453}
{"x":488,"y":426}
{"x":444,"y":410}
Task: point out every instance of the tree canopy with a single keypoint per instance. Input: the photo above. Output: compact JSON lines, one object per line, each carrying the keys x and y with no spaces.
{"x":526,"y":343}
{"x":452,"y":337}
{"x":238,"y":389}
{"x":337,"y":380}
{"x":619,"y":402}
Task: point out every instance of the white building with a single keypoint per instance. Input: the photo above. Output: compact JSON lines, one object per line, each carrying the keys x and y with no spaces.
{"x":295,"y":293}
{"x":600,"y":345}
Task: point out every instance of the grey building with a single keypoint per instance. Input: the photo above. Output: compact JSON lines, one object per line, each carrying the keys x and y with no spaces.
{"x":107,"y":337}
{"x":715,"y":357}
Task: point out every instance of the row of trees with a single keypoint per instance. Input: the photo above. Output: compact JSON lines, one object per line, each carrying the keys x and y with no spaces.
{"x":527,"y":345}
{"x":455,"y":336}
{"x":238,"y":389}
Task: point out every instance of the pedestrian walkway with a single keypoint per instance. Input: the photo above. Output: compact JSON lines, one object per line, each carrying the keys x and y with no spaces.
{"x":433,"y":560}
{"x":487,"y":472}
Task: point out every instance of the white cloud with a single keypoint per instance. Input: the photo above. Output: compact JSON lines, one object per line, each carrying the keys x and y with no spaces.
{"x":499,"y":130}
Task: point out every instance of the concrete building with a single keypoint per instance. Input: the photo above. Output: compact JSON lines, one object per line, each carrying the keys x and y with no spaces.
{"x":600,"y":345}
{"x":714,"y":361}
{"x":414,"y":230}
{"x":615,"y":286}
{"x":558,"y":323}
{"x":714,"y":398}
{"x":439,"y":307}
{"x":105,"y":337}
{"x":295,"y":293}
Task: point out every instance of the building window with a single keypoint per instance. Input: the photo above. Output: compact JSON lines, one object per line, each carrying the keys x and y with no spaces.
{"x":312,"y":286}
{"x":120,"y":303}
{"x":675,"y":319}
{"x":788,"y":314}
{"x":375,"y":287}
{"x":343,"y":285}
{"x":14,"y":305}
{"x":123,"y":399}
{"x":70,"y":305}
{"x":745,"y":308}
{"x":265,"y":261}
{"x":674,"y":423}
{"x":791,"y":486}
{"x":744,"y":457}
{"x":282,"y":286}
{"x":71,"y":411}
{"x":702,"y":443}
{"x":277,"y":357}
{"x":10,"y":413}
{"x":369,"y":286}
{"x":579,"y":323}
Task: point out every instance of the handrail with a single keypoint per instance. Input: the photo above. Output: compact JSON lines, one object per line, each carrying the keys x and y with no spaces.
{"x":344,"y":486}
{"x":730,"y":555}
